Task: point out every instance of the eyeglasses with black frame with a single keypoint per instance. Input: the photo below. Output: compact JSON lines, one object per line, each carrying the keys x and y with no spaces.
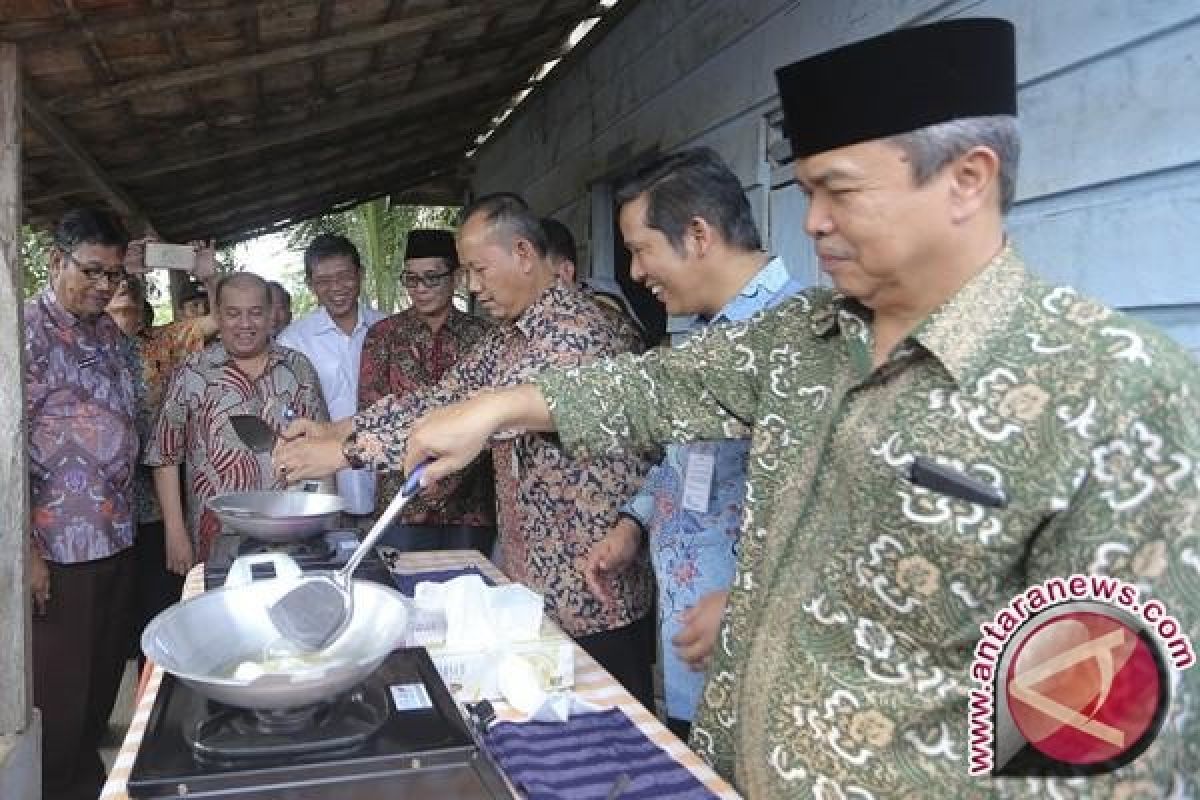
{"x":434,"y":280}
{"x":95,"y":274}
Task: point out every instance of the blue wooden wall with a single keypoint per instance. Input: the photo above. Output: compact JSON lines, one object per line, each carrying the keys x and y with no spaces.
{"x":1109,"y":189}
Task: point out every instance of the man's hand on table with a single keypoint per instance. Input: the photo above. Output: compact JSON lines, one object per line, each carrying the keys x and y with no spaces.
{"x":39,"y":582}
{"x":610,"y":556}
{"x":180,"y":556}
{"x":310,"y":450}
{"x":701,"y":626}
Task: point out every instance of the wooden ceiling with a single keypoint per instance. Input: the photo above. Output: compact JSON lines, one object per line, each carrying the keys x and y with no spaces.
{"x":227,"y":119}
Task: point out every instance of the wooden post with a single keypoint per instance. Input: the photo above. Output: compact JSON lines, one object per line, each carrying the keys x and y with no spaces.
{"x":15,"y":676}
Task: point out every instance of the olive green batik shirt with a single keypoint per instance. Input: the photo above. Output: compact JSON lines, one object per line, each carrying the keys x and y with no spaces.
{"x":842,"y":668}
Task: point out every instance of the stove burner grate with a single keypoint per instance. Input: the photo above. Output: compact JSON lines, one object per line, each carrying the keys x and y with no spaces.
{"x":232,"y":736}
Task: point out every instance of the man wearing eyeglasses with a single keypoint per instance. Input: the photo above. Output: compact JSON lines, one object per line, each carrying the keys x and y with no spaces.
{"x":332,"y":338}
{"x":408,"y":352}
{"x":83,"y":448}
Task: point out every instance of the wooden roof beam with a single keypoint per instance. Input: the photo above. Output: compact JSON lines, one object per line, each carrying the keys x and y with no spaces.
{"x":40,"y":33}
{"x":366,"y":37}
{"x":304,"y":205}
{"x":276,"y":221}
{"x":89,"y":169}
{"x":410,"y":102}
{"x":312,"y":174}
{"x":301,"y":190}
{"x":58,"y":192}
{"x":396,"y":143}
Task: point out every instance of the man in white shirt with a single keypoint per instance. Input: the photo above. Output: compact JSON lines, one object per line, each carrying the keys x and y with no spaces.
{"x":332,"y":338}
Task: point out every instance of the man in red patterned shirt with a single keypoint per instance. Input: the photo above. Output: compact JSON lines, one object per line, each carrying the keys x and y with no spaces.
{"x":243,"y":373}
{"x":408,"y":352}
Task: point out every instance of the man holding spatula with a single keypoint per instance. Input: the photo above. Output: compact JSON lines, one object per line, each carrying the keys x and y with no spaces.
{"x":551,"y":508}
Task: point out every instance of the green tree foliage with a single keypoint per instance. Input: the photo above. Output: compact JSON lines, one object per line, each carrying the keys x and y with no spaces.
{"x":35,"y":258}
{"x":379,"y":229}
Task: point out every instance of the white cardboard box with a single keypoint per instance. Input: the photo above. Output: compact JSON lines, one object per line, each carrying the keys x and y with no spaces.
{"x":552,"y":655}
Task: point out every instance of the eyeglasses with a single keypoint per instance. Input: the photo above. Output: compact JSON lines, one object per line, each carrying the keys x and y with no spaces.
{"x":341,"y":279}
{"x":96,"y":275}
{"x":434,"y":280}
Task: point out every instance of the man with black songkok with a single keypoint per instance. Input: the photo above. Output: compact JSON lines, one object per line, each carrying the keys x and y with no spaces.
{"x":411,"y":351}
{"x":1069,"y":433}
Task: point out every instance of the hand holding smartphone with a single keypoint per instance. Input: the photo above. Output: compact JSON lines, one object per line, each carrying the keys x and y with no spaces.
{"x":160,"y":255}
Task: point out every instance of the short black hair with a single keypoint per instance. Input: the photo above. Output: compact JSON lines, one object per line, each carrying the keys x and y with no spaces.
{"x":136,"y":287}
{"x":510,"y":211}
{"x":693,"y":183}
{"x":82,"y":226}
{"x":328,"y":245}
{"x":560,"y":244}
{"x":193,"y":291}
{"x":276,"y":285}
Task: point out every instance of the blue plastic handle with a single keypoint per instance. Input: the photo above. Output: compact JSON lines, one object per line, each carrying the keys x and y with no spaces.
{"x":413,"y":483}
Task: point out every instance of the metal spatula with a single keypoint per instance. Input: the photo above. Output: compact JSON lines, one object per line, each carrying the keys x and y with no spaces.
{"x":314,"y":612}
{"x":254,"y":433}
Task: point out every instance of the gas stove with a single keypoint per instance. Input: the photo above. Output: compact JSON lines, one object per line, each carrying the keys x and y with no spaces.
{"x":398,"y":735}
{"x":326,"y":551}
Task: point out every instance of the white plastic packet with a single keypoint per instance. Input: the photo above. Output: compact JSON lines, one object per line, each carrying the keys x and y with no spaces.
{"x":479,"y":616}
{"x":521,"y":689}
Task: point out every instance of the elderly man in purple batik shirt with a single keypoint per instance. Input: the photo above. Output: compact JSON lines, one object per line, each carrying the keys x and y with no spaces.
{"x":82,"y":451}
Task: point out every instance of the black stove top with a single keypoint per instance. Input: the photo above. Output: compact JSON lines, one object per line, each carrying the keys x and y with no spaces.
{"x":399,"y":735}
{"x":327,"y":551}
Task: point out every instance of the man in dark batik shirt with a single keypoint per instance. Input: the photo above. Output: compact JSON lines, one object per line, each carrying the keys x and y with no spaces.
{"x":551,"y":508}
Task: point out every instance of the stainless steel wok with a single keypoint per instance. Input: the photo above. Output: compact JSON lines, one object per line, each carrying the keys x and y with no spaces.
{"x":278,"y":516}
{"x":203,"y":640}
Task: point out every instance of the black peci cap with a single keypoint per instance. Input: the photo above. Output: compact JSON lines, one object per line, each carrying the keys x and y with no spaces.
{"x":899,"y":82}
{"x":429,"y":243}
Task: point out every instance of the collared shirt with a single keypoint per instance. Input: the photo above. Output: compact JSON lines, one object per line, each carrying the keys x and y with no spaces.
{"x":82,"y":436}
{"x":842,"y":664}
{"x":336,"y":358}
{"x":153,"y":356}
{"x":692,"y":540}
{"x":193,"y":426}
{"x":401,"y":355}
{"x":551,"y":508}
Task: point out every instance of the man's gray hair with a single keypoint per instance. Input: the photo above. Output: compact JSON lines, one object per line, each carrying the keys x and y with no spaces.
{"x":243,"y":280}
{"x":933,"y":147}
{"x":509,"y":214}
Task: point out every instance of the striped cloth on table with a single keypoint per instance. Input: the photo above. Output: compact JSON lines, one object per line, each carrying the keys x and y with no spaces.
{"x":583,"y":757}
{"x":406,"y":582}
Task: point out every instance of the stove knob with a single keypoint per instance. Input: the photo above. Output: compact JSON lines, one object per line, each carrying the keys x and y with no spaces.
{"x":181,"y":790}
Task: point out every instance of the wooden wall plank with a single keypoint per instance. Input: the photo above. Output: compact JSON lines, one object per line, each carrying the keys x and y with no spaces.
{"x":16,"y":690}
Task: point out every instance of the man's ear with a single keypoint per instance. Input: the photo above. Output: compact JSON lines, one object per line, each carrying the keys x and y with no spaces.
{"x":974,"y":182}
{"x":525,"y":254}
{"x":57,"y":262}
{"x":701,"y":233}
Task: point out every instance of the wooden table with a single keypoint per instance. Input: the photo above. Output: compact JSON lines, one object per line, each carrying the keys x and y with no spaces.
{"x":592,"y":683}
